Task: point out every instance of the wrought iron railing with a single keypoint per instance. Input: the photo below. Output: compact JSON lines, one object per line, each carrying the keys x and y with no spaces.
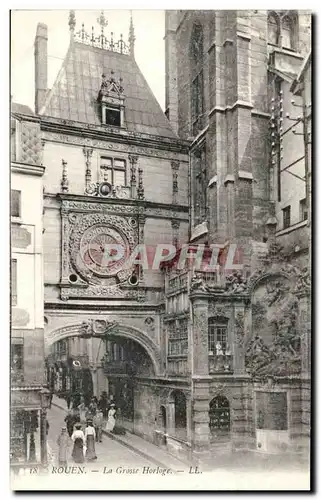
{"x":101,"y":41}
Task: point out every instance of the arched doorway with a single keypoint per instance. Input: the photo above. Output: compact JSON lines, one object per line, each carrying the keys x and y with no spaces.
{"x":178,"y":400}
{"x":163,"y":418}
{"x":219,"y":414}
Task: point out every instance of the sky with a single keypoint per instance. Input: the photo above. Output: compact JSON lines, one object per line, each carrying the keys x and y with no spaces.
{"x":149,"y":45}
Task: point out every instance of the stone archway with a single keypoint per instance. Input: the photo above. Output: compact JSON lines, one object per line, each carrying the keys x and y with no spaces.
{"x":120,"y":330}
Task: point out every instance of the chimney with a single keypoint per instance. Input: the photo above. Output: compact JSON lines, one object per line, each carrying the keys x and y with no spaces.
{"x":41,"y":71}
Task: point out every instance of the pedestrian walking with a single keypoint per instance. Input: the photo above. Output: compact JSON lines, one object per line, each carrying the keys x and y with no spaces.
{"x":103,"y":403}
{"x":98,"y":425}
{"x":90,"y":437}
{"x":92,"y":407}
{"x":79,"y":448}
{"x":111,"y":418}
{"x":70,"y":420}
{"x":82,"y":414}
{"x":118,"y":428}
{"x":63,"y":442}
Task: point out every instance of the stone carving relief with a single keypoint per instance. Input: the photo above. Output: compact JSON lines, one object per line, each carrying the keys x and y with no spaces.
{"x":85,"y":271}
{"x":97,"y":327}
{"x":150,"y":323}
{"x":86,"y":242}
{"x":215,"y":310}
{"x":239,"y":329}
{"x":236,"y":282}
{"x":275,"y":344}
{"x":103,"y":292}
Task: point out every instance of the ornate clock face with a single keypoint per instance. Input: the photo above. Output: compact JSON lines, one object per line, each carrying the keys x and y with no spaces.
{"x":97,"y":247}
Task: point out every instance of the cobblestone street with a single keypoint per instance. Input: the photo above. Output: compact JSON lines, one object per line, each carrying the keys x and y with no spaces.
{"x":110,"y":453}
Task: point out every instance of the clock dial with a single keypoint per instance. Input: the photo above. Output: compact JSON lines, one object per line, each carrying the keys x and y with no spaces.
{"x":96,"y":250}
{"x":99,"y":250}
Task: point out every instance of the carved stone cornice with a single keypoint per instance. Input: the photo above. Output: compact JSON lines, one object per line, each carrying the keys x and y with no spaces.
{"x":80,"y":132}
{"x":151,"y":209}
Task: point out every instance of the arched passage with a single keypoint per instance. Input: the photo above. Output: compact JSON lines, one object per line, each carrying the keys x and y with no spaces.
{"x":115,"y":362}
{"x":121,"y":330}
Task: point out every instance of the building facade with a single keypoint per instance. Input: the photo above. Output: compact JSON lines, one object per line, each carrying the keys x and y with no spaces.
{"x":229,"y":91}
{"x":28,"y":394}
{"x":199,"y":362}
{"x":116,"y":173}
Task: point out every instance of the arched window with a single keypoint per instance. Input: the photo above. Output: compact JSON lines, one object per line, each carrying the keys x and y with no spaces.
{"x":287,"y":32}
{"x":219,"y":414}
{"x":273,"y":28}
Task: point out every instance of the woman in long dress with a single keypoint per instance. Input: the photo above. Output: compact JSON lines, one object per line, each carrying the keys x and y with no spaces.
{"x":82,"y":414}
{"x":62,"y":442}
{"x":90,"y":437}
{"x":78,"y":438}
{"x":111,"y":418}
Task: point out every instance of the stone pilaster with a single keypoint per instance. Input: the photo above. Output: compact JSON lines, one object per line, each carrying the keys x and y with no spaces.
{"x":141,"y":237}
{"x":239,"y":324}
{"x":133,"y":159}
{"x":175,"y":168}
{"x":200,"y":334}
{"x":88,"y":154}
{"x":201,"y":397}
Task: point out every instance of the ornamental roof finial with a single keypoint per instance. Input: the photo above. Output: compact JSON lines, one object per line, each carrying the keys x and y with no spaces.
{"x":102,"y":21}
{"x":72,"y":21}
{"x":131,"y":37}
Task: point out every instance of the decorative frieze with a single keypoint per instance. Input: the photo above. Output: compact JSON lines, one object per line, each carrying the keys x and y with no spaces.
{"x":111,"y":146}
{"x":103,"y":292}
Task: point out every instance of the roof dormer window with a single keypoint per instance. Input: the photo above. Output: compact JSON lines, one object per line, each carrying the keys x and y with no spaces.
{"x":112,"y":101}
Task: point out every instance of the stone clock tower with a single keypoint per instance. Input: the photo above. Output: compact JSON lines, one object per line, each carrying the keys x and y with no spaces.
{"x":116,"y":175}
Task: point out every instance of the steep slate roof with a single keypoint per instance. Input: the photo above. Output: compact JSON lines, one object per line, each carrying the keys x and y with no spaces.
{"x":74,"y":94}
